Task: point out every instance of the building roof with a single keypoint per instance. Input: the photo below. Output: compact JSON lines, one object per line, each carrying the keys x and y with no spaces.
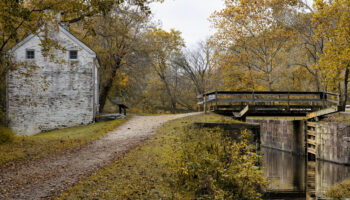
{"x":64,"y":31}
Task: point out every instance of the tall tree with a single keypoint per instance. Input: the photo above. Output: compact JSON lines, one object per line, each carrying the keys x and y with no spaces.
{"x":306,"y":49}
{"x":114,"y":37}
{"x":197,"y":65}
{"x":166,"y":45}
{"x":332,"y":19}
{"x":248,"y":32}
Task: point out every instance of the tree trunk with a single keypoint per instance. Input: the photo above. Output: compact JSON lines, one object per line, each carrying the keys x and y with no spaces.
{"x":172,"y":98}
{"x":251,"y":78}
{"x":270,"y":82}
{"x":346,"y":82}
{"x":317,"y":82}
{"x":173,"y":103}
{"x":107,"y":87}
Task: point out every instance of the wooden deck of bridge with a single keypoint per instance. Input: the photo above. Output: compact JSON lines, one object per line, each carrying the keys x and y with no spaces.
{"x":274,"y":103}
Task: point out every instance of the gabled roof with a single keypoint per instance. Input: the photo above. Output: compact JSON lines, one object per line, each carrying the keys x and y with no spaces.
{"x":76,"y":40}
{"x":29,"y":37}
{"x":64,"y":31}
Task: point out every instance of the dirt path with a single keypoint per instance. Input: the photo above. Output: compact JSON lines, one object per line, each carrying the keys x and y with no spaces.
{"x":47,"y":177}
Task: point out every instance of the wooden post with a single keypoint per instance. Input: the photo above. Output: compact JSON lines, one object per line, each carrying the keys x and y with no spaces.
{"x":288,"y":101}
{"x":323,"y":95}
{"x":338,"y":99}
{"x":279,"y":100}
{"x":253,"y":98}
{"x":120,"y":109}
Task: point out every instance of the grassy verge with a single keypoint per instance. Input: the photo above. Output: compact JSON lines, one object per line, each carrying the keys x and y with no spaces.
{"x":211,"y":117}
{"x":152,"y":170}
{"x":278,"y":118}
{"x":339,"y":117}
{"x":32,"y":147}
{"x":340,"y":191}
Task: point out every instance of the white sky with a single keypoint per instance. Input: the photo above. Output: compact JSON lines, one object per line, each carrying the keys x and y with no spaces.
{"x":188,"y":16}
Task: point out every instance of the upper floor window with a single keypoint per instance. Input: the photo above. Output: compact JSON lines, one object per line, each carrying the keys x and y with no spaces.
{"x":30,"y":54}
{"x":73,"y":54}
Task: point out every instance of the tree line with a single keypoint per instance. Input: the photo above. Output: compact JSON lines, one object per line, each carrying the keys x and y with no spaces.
{"x":284,"y":45}
{"x":273,"y":45}
{"x":268,"y":45}
{"x":137,"y":57}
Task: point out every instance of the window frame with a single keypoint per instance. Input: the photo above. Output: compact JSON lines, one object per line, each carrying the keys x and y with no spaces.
{"x":69,"y":55}
{"x":27,"y":54}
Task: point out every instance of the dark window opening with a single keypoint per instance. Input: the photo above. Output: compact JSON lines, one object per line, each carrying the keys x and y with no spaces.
{"x":30,"y":54}
{"x":73,"y":54}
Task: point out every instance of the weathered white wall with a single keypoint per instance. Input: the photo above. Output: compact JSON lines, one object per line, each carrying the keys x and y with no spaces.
{"x":54,"y":95}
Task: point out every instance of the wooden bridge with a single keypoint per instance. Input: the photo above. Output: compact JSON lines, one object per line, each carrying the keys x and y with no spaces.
{"x":311,"y":105}
{"x":275,"y":103}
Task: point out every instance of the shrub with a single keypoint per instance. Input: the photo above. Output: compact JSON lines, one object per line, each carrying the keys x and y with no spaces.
{"x":6,"y":135}
{"x":2,"y":115}
{"x":219,"y":168}
{"x":340,"y":191}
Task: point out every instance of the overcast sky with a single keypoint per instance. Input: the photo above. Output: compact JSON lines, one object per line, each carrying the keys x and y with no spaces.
{"x":188,"y":16}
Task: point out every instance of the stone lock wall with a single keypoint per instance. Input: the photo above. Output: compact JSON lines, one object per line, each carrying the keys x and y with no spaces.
{"x":53,"y":94}
{"x":285,"y":135}
{"x":332,"y":138}
{"x":333,"y":142}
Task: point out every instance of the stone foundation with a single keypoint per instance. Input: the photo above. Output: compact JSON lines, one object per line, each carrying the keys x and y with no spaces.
{"x":285,"y":135}
{"x":332,"y":138}
{"x":333,"y":142}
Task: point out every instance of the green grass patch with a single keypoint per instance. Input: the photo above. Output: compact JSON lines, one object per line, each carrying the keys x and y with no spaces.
{"x":176,"y":154}
{"x":23,"y":148}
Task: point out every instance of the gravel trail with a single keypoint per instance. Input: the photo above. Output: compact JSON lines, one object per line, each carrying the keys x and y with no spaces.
{"x":48,"y":177}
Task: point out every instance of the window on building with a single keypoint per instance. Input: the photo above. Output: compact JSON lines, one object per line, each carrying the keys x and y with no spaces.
{"x":30,"y":54}
{"x":73,"y":54}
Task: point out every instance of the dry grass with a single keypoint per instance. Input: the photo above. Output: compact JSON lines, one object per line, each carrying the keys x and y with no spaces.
{"x":340,"y":191}
{"x":146,"y":172}
{"x":32,"y":147}
{"x":338,"y":117}
{"x":6,"y":135}
{"x":278,"y":118}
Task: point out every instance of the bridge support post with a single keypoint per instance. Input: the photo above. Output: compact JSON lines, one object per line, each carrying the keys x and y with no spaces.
{"x":323,"y":97}
{"x":288,"y":101}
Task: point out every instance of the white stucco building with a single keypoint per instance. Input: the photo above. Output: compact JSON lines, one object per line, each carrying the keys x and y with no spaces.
{"x":50,"y":92}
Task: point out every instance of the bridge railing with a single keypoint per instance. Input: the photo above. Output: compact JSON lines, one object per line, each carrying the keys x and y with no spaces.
{"x":221,"y":99}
